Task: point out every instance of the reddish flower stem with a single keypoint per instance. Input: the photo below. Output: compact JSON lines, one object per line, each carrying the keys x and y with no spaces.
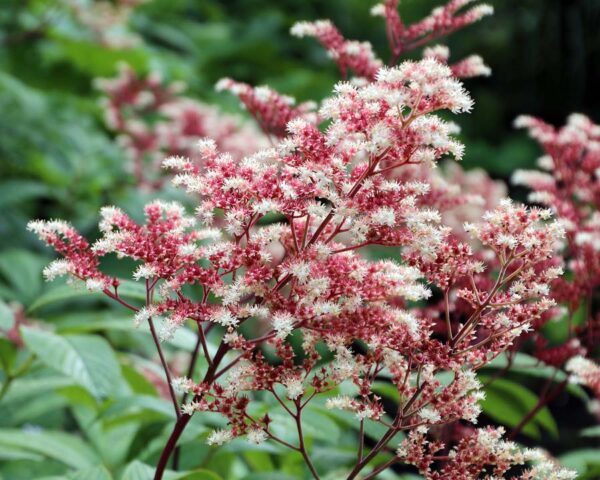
{"x":302,"y":446}
{"x":184,"y":419}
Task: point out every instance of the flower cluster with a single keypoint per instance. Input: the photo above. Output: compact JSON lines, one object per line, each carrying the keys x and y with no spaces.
{"x":153,"y":119}
{"x":359,"y":58}
{"x":333,"y":191}
{"x":271,"y":110}
{"x":585,"y":372}
{"x":483,"y":452}
{"x":79,"y":261}
{"x":459,"y":196}
{"x":568,"y":182}
{"x":570,"y":185}
{"x":349,"y":55}
{"x":106,"y":20}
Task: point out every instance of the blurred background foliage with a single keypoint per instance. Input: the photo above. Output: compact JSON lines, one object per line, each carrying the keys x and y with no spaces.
{"x":58,"y":160}
{"x":55,"y":151}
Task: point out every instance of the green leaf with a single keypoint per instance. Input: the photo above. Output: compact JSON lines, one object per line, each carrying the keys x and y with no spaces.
{"x":318,"y":425}
{"x":89,"y":360}
{"x":34,"y":410}
{"x":95,"y":473}
{"x":66,"y":448}
{"x":77,"y":395}
{"x":25,"y":388}
{"x":128,"y":290}
{"x":137,"y":470}
{"x":581,"y":460}
{"x":8,"y":355}
{"x":387,"y":390}
{"x":92,"y":321}
{"x":95,"y":59}
{"x":524,"y":364}
{"x":7,"y":317}
{"x":591,"y":431}
{"x":59,"y":294}
{"x":125,"y":405}
{"x":22,"y":270}
{"x":9,"y":453}
{"x":138,"y":382}
{"x":507,"y":403}
{"x":200,"y":474}
{"x":270,"y":476}
{"x":16,"y":191}
{"x":259,"y":461}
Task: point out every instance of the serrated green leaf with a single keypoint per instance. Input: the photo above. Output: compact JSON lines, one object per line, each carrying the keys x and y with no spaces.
{"x":66,"y":448}
{"x":270,"y":476}
{"x":258,"y":461}
{"x":138,"y":382}
{"x":89,"y":360}
{"x":317,"y":425}
{"x":34,"y":408}
{"x":95,"y":473}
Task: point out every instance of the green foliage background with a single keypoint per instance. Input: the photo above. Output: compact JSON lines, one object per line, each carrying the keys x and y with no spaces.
{"x":73,"y":403}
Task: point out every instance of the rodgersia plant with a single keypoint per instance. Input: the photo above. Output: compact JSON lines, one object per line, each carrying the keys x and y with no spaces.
{"x":305,"y":275}
{"x":333,"y":192}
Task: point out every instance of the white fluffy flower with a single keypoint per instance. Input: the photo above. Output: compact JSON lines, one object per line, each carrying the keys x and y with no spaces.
{"x":181,"y":384}
{"x":283,"y":324}
{"x":294,"y":387}
{"x":219,"y":437}
{"x":224,"y":317}
{"x":256,"y":436}
{"x":95,"y":284}
{"x":57,"y":268}
{"x":145,"y":271}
